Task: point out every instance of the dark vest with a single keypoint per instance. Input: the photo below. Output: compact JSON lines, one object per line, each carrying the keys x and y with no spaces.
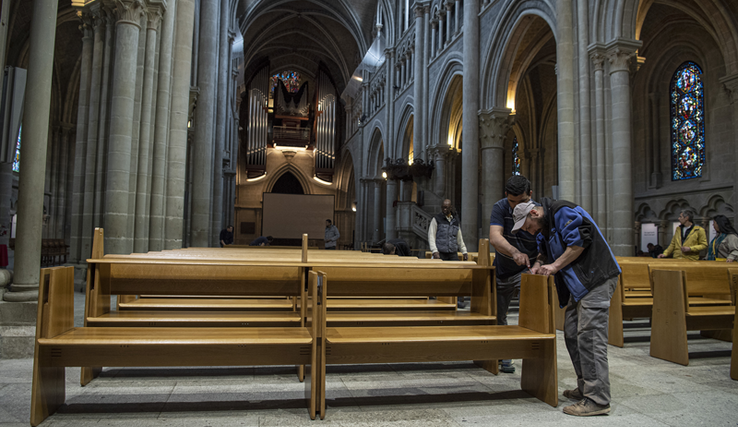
{"x":446,"y":233}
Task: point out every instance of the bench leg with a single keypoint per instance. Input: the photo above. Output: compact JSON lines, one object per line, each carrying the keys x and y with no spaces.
{"x":615,"y":321}
{"x":491,"y":366}
{"x":88,"y":374}
{"x":668,"y":321}
{"x":734,"y":353}
{"x":47,"y":391}
{"x":539,"y":377}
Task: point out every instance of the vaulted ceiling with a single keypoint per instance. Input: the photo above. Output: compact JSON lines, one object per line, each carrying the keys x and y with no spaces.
{"x":299,"y":34}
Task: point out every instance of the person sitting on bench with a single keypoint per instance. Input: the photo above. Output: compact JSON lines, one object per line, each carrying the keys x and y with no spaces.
{"x":396,"y":247}
{"x":724,"y":247}
{"x":262,"y":241}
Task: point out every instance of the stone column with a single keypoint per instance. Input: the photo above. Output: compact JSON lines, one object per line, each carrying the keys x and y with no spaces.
{"x":33,"y":153}
{"x":391,"y":233}
{"x":598,"y":60}
{"x":204,"y":124}
{"x":441,"y":22}
{"x":449,"y":6}
{"x":730,"y":84}
{"x":470,"y":121}
{"x":637,"y":238}
{"x":434,"y":27}
{"x":565,"y":100}
{"x":619,"y":53}
{"x":377,"y":209}
{"x":426,"y":55}
{"x":118,"y":237}
{"x":224,"y":71}
{"x":655,"y":145}
{"x":493,"y":126}
{"x":81,"y":141}
{"x":4,"y":25}
{"x":178,"y":124}
{"x":457,"y":29}
{"x":585,"y":111}
{"x":161,"y":131}
{"x":663,"y":238}
{"x":145,"y":149}
{"x":418,"y":95}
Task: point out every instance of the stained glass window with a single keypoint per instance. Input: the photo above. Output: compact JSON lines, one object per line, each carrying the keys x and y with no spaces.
{"x":291,"y":80}
{"x":687,"y":122}
{"x":515,"y":157}
{"x":17,"y":158}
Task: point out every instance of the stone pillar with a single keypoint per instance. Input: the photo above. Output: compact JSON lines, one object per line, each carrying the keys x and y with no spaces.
{"x":390,"y":104}
{"x":585,"y":112}
{"x":637,"y":238}
{"x":619,"y":53}
{"x":457,"y":29}
{"x":565,"y":100}
{"x":204,"y":124}
{"x":434,"y":27}
{"x":33,"y":153}
{"x":377,"y":209}
{"x":598,"y":60}
{"x":145,"y":149}
{"x":493,"y":126}
{"x":178,"y":124}
{"x":418,"y":95}
{"x":663,"y":238}
{"x":441,"y":24}
{"x":118,"y":237}
{"x":730,"y":84}
{"x":655,"y":145}
{"x":161,"y":131}
{"x":391,"y":233}
{"x":219,"y":147}
{"x":449,"y":6}
{"x":425,"y":57}
{"x":4,"y":25}
{"x":470,"y":121}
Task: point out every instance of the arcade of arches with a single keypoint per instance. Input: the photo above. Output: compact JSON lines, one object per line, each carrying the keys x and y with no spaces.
{"x":169,"y":119}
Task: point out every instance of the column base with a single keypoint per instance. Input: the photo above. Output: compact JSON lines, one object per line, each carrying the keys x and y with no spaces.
{"x":17,"y":329}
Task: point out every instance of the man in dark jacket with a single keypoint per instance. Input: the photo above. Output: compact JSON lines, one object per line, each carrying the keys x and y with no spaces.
{"x":397,"y":247}
{"x":572,"y":248}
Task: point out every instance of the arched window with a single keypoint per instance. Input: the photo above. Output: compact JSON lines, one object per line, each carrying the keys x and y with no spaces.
{"x":687,"y":122}
{"x":16,"y":159}
{"x":291,"y":80}
{"x":515,"y":157}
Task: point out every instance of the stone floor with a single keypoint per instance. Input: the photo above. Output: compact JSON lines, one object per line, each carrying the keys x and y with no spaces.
{"x":646,"y":392}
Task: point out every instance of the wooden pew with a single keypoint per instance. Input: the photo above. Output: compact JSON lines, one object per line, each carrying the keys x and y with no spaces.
{"x":533,"y":340}
{"x":633,"y":298}
{"x":734,"y":354}
{"x":59,"y":344}
{"x":674,"y":314}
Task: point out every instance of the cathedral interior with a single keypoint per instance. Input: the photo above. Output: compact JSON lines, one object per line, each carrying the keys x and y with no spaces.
{"x":165,"y":121}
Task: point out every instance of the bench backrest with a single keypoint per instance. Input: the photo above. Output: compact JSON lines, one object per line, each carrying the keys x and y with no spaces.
{"x":702,"y":279}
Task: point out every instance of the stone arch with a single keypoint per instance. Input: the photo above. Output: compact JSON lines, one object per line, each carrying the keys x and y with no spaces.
{"x":375,"y":160}
{"x":503,"y":46}
{"x":402,"y":142}
{"x":645,"y":213}
{"x":717,"y":205}
{"x":288,"y":167}
{"x":450,"y":80}
{"x":672,"y":209}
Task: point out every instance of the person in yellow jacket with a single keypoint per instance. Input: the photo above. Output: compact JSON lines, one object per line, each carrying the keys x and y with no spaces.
{"x":689,"y":239}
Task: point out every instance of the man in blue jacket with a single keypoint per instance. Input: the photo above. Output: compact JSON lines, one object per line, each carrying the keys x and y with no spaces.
{"x":572,"y":248}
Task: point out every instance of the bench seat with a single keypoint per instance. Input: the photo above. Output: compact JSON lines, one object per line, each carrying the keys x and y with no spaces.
{"x":382,"y":304}
{"x":453,"y":334}
{"x":414,"y":318}
{"x":202,"y":318}
{"x":207,"y":304}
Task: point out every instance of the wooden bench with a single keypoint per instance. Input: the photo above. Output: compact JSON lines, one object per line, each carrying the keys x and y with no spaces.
{"x":674,"y":314}
{"x":533,"y":340}
{"x":734,"y":353}
{"x":633,"y":298}
{"x":59,"y":344}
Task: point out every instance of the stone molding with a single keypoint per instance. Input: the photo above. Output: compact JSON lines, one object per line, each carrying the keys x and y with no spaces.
{"x":153,"y":17}
{"x":128,"y":11}
{"x":730,"y":86}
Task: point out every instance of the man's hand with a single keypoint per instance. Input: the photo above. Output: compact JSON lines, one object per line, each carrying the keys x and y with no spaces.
{"x":466,"y":257}
{"x":661,"y":256}
{"x":685,"y":249}
{"x":548,"y":270}
{"x":436,"y":255}
{"x":521,"y":259}
{"x":536,"y":269}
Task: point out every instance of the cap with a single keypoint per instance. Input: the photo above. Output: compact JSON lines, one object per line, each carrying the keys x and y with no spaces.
{"x":520,"y":213}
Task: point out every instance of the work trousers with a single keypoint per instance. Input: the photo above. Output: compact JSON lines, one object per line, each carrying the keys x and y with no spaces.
{"x":585,"y":333}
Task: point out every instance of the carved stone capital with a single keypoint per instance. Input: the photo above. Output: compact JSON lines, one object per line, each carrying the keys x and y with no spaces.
{"x":620,"y":52}
{"x":128,"y":11}
{"x":419,"y":10}
{"x":153,"y":17}
{"x":389,"y":53}
{"x":493,"y":126}
{"x":434,"y":23}
{"x":449,"y":5}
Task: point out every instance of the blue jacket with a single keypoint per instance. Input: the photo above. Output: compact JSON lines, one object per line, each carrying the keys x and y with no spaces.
{"x":570,"y":225}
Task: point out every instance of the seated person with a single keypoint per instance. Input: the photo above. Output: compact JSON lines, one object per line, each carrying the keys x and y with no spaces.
{"x":396,"y":247}
{"x":655,"y":250}
{"x":262,"y":241}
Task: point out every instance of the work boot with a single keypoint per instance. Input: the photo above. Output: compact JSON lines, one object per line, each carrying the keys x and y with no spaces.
{"x":586,"y":407}
{"x":507,"y":367}
{"x":574,"y":395}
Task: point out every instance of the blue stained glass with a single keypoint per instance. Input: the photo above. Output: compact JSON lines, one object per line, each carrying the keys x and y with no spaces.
{"x":687,"y":122}
{"x":515,"y":157}
{"x":17,"y":158}
{"x":291,"y":80}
